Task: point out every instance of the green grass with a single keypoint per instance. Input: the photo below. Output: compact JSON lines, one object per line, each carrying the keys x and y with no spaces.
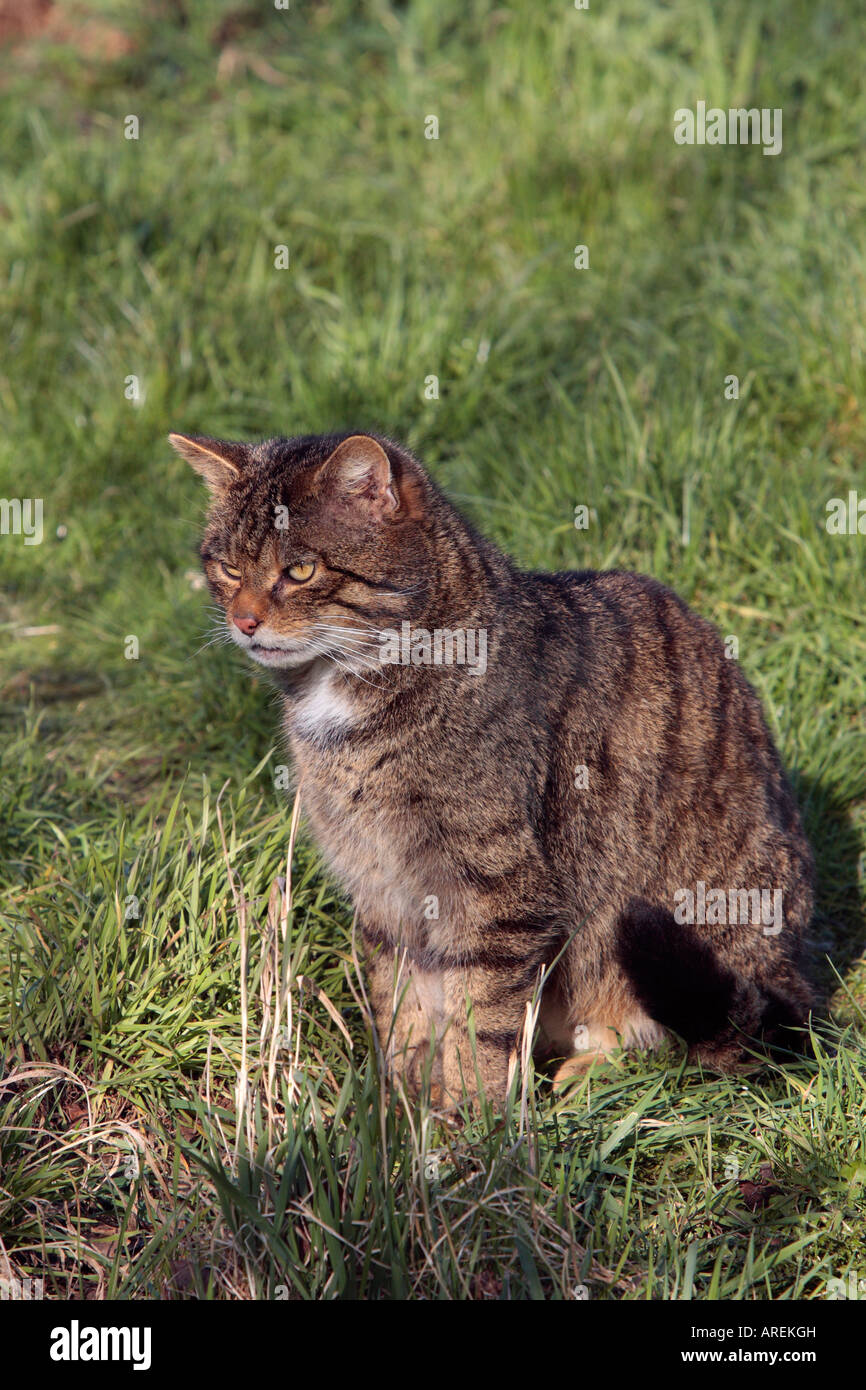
{"x":161,"y":1133}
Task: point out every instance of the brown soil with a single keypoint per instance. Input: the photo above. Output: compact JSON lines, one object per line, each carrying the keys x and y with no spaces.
{"x":24,"y":22}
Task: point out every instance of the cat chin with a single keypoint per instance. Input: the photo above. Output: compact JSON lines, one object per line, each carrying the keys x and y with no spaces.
{"x":278,"y":657}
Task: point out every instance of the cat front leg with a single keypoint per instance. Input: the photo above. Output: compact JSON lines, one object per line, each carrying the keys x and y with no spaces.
{"x":487,"y":1001}
{"x":408,"y":1010}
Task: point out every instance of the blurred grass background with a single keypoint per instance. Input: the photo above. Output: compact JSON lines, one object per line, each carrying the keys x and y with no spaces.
{"x":408,"y":258}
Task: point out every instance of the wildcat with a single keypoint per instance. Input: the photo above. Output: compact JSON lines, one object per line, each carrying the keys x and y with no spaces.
{"x":609,"y":767}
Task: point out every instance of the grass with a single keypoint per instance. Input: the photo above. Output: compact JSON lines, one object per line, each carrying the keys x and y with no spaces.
{"x":191,"y":1100}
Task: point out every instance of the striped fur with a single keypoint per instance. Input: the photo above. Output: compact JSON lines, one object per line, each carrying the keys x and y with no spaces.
{"x":451,"y":805}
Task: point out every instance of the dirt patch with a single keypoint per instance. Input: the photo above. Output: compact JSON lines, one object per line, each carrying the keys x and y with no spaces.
{"x":24,"y":22}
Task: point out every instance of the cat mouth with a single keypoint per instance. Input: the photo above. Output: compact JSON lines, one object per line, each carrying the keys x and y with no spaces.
{"x":293,"y":654}
{"x":270,"y":651}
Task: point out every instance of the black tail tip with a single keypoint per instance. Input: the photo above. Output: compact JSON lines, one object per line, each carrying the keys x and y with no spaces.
{"x":679,"y":980}
{"x":675,"y":974}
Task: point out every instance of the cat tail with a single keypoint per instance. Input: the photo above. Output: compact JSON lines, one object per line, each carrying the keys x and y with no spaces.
{"x":681,"y":981}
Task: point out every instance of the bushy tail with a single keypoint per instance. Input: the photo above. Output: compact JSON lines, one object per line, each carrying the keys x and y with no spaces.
{"x":681,"y":982}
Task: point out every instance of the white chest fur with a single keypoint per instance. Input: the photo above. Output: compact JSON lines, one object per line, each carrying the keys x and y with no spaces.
{"x":323,"y":709}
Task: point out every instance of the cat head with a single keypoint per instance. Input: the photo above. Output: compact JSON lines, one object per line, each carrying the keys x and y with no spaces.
{"x":312,"y":546}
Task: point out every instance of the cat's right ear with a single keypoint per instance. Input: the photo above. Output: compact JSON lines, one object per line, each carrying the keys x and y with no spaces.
{"x":219,"y":461}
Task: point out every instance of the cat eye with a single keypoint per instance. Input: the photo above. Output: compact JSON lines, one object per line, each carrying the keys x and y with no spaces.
{"x":230,"y":570}
{"x":301,"y":573}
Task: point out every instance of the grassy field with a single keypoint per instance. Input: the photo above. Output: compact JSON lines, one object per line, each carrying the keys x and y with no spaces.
{"x":191,"y":1103}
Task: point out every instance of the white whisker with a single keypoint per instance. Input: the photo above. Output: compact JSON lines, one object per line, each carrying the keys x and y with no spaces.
{"x":350,"y":670}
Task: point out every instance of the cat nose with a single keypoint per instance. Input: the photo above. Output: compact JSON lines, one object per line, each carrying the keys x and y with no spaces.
{"x":247,"y":622}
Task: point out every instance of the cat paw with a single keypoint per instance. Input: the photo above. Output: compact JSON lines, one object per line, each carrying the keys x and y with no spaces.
{"x":576,"y":1068}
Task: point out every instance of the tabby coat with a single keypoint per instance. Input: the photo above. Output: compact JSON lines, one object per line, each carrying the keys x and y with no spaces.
{"x":556,"y":808}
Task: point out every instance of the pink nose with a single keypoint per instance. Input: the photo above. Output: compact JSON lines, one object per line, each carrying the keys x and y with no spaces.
{"x":247,"y":622}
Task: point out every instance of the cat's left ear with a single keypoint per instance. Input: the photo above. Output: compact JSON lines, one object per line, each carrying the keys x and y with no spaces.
{"x":220,"y":462}
{"x":359,"y":472}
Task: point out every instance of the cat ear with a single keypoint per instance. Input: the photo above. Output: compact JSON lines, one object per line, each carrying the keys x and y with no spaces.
{"x":219,"y":461}
{"x":359,"y":471}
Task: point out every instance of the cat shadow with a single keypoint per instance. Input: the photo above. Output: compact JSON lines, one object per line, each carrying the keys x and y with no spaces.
{"x":838,"y":931}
